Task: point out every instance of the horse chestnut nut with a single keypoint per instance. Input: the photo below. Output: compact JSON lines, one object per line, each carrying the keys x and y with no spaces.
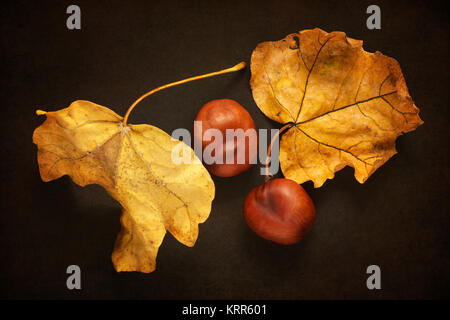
{"x":279,"y":210}
{"x":228,"y":115}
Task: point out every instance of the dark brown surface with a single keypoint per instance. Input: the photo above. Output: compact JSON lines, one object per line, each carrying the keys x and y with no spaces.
{"x":399,"y":219}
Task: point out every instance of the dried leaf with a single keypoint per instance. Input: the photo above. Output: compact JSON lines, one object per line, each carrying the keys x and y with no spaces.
{"x":89,"y":143}
{"x":348,"y":105}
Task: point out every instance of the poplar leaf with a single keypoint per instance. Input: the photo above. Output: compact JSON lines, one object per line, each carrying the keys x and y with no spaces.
{"x":347,"y":106}
{"x":133,"y":163}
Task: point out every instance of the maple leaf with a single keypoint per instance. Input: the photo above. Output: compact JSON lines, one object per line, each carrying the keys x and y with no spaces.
{"x":133,"y":163}
{"x":346,"y":106}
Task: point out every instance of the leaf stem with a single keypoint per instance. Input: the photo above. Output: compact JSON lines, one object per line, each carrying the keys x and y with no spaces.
{"x":269,"y":150}
{"x":237,"y":67}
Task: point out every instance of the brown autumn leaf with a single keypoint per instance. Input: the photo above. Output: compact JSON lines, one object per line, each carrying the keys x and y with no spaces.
{"x":348,"y":105}
{"x":89,"y":143}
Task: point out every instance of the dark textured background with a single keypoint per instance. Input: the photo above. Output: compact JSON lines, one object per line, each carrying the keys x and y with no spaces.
{"x":399,"y":219}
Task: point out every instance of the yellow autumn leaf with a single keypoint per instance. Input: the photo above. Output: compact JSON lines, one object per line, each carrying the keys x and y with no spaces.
{"x":346,"y":106}
{"x":133,"y":163}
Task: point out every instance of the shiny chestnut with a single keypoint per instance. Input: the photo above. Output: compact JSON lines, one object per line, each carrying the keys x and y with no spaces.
{"x":223,"y":114}
{"x":279,"y":210}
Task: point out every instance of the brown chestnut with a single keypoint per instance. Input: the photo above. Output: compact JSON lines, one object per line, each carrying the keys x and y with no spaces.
{"x":223,"y":114}
{"x":279,"y":210}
